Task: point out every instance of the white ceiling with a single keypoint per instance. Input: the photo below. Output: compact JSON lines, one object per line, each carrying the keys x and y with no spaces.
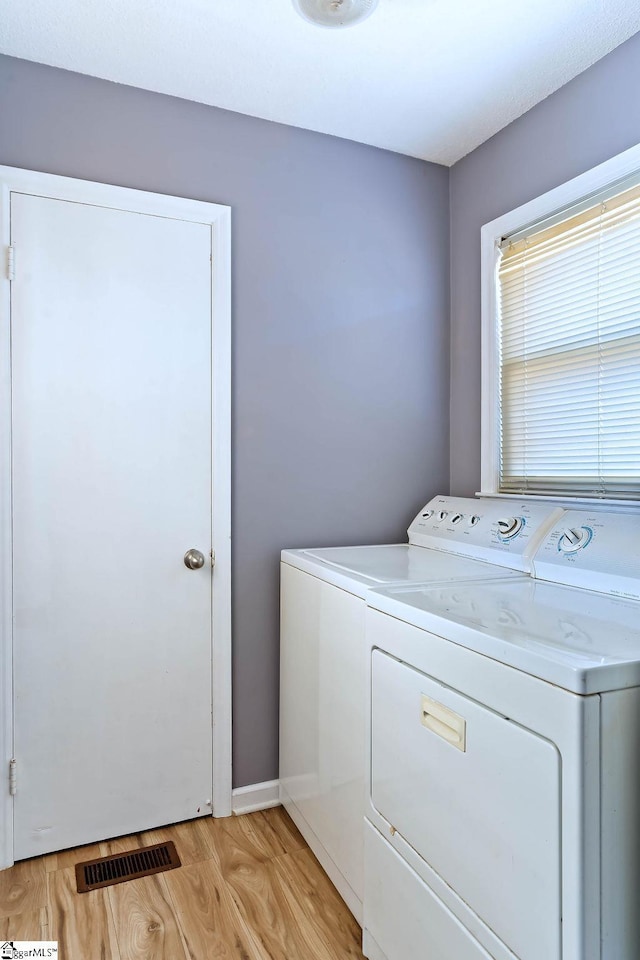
{"x":430,"y":78}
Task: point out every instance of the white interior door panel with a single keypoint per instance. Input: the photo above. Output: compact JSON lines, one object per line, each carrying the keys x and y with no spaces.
{"x":111,"y":367}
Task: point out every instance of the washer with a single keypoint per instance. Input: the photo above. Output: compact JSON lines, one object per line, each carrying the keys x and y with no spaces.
{"x":503,"y":819}
{"x":323,"y":657}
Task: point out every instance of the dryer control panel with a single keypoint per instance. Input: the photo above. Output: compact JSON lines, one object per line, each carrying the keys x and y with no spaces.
{"x":596,"y":551}
{"x":502,"y":532}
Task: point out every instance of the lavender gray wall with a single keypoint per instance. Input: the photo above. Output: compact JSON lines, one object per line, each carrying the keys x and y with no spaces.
{"x":589,"y":120}
{"x":341,"y":329}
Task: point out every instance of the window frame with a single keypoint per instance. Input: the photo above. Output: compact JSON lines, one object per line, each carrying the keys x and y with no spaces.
{"x":593,"y":181}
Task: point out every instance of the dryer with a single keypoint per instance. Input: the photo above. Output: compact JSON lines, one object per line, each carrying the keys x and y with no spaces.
{"x":503,"y":818}
{"x":323,"y":657}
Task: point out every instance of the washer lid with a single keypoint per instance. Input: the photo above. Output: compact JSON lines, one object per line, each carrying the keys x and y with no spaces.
{"x":401,"y":562}
{"x":577,"y":639}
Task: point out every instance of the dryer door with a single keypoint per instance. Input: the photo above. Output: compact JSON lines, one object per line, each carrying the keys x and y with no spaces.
{"x":477,"y":796}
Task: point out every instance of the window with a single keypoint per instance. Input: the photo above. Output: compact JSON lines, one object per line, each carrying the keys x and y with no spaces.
{"x":564,"y":343}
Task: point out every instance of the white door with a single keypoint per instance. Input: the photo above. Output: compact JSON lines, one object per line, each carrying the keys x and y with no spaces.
{"x":111,"y":372}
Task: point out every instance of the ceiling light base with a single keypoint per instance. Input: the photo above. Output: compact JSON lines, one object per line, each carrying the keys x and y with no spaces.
{"x":335,"y":13}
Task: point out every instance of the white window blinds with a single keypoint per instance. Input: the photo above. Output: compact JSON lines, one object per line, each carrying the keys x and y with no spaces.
{"x":569,"y":337}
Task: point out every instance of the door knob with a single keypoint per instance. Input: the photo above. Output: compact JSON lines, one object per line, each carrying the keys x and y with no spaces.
{"x":193,"y":559}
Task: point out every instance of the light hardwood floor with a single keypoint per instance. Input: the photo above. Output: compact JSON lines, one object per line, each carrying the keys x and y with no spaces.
{"x":249,"y":889}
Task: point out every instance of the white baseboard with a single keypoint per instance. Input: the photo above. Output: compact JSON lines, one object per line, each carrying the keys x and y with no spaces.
{"x":256,"y":796}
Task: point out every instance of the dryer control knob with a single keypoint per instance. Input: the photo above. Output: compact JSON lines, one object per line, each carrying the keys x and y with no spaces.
{"x":574,"y":538}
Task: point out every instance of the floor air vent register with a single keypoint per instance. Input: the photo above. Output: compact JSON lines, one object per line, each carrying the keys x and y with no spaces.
{"x":105,"y":871}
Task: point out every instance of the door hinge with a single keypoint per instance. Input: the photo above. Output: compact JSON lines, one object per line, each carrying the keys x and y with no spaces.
{"x":13,"y":782}
{"x":212,"y":554}
{"x":11,"y":263}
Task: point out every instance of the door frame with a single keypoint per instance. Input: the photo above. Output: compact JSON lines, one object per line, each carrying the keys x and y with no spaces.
{"x":218,"y":217}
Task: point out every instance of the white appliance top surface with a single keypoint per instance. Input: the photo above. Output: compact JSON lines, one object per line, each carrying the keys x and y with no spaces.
{"x":402,"y":562}
{"x":578,"y":639}
{"x":451,"y":538}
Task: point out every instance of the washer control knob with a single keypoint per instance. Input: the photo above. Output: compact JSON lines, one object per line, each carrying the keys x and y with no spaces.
{"x":442,"y":515}
{"x":574,"y":538}
{"x":509,"y":527}
{"x":427,"y":514}
{"x":473,"y":520}
{"x":456,"y":518}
